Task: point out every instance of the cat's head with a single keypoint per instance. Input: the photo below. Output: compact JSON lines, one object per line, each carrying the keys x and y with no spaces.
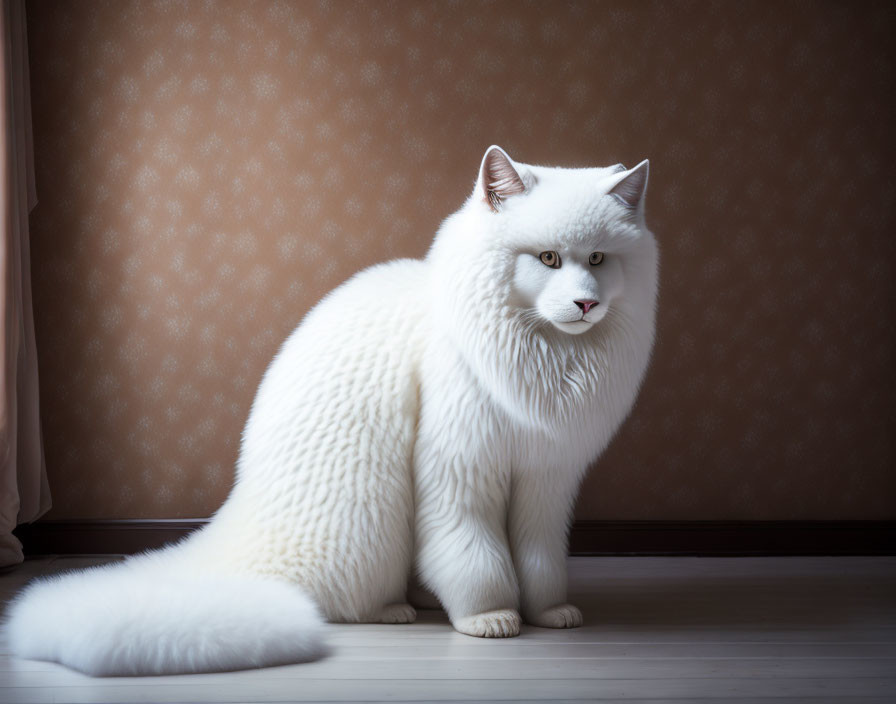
{"x":553,"y":246}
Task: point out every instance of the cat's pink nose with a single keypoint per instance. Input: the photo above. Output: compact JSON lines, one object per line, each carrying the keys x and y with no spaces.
{"x":586,"y":304}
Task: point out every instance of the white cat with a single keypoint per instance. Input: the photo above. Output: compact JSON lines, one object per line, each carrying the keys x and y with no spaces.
{"x":436,"y":414}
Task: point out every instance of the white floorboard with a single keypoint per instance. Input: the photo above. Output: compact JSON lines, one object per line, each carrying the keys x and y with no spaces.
{"x":657,"y":629}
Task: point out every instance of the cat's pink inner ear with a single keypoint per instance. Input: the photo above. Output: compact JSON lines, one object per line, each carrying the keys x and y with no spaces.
{"x":631,"y":187}
{"x":498,"y":177}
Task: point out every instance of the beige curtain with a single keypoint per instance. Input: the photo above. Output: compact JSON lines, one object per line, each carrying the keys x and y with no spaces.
{"x":24,"y":494}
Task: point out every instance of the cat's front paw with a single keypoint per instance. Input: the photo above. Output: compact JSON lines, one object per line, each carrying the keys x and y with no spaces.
{"x":503,"y":623}
{"x":561,"y":616}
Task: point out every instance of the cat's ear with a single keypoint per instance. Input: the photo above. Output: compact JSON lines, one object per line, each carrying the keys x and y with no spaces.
{"x":498,"y":178}
{"x":631,"y":185}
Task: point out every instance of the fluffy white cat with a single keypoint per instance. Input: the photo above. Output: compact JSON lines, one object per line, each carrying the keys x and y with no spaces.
{"x":433,"y":415}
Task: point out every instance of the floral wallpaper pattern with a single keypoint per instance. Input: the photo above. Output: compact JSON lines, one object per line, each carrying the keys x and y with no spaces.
{"x":206,"y":171}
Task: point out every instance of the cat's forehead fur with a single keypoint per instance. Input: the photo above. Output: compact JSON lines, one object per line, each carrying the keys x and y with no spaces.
{"x":564,"y":207}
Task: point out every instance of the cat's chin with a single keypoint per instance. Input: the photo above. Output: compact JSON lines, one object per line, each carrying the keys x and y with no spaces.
{"x":574,"y":327}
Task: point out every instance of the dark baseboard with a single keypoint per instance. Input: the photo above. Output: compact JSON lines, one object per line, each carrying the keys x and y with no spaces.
{"x":103,"y":537}
{"x":733,"y":538}
{"x":696,"y":538}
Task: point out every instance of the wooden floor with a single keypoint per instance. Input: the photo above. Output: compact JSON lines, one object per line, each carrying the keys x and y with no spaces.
{"x":657,"y":629}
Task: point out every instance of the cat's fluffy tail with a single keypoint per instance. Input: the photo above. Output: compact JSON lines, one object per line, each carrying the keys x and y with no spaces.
{"x":146,"y":617}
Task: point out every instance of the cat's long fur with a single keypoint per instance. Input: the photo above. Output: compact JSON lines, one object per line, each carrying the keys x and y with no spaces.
{"x":437,"y":412}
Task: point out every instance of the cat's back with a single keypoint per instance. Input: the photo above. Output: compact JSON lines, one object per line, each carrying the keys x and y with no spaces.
{"x":352,"y":362}
{"x":324,"y":488}
{"x":379,"y":312}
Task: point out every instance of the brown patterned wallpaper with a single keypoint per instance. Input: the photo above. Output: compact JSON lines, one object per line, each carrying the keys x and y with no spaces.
{"x":207,"y":170}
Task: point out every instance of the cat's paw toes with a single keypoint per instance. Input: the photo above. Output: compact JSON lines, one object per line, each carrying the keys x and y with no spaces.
{"x":398,"y":613}
{"x":503,"y":623}
{"x":561,"y":616}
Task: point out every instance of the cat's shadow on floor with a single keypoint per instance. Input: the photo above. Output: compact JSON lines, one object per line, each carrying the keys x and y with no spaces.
{"x":739,"y":602}
{"x":735,"y":601}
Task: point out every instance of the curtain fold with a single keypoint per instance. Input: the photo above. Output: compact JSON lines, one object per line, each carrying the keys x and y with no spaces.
{"x":24,"y":493}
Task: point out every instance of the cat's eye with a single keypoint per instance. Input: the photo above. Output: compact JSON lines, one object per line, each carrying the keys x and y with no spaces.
{"x":596,"y":258}
{"x":551,"y":259}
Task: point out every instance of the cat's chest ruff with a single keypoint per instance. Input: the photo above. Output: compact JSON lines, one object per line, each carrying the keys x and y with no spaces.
{"x":575,"y":412}
{"x":557,"y":389}
{"x":571,"y":438}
